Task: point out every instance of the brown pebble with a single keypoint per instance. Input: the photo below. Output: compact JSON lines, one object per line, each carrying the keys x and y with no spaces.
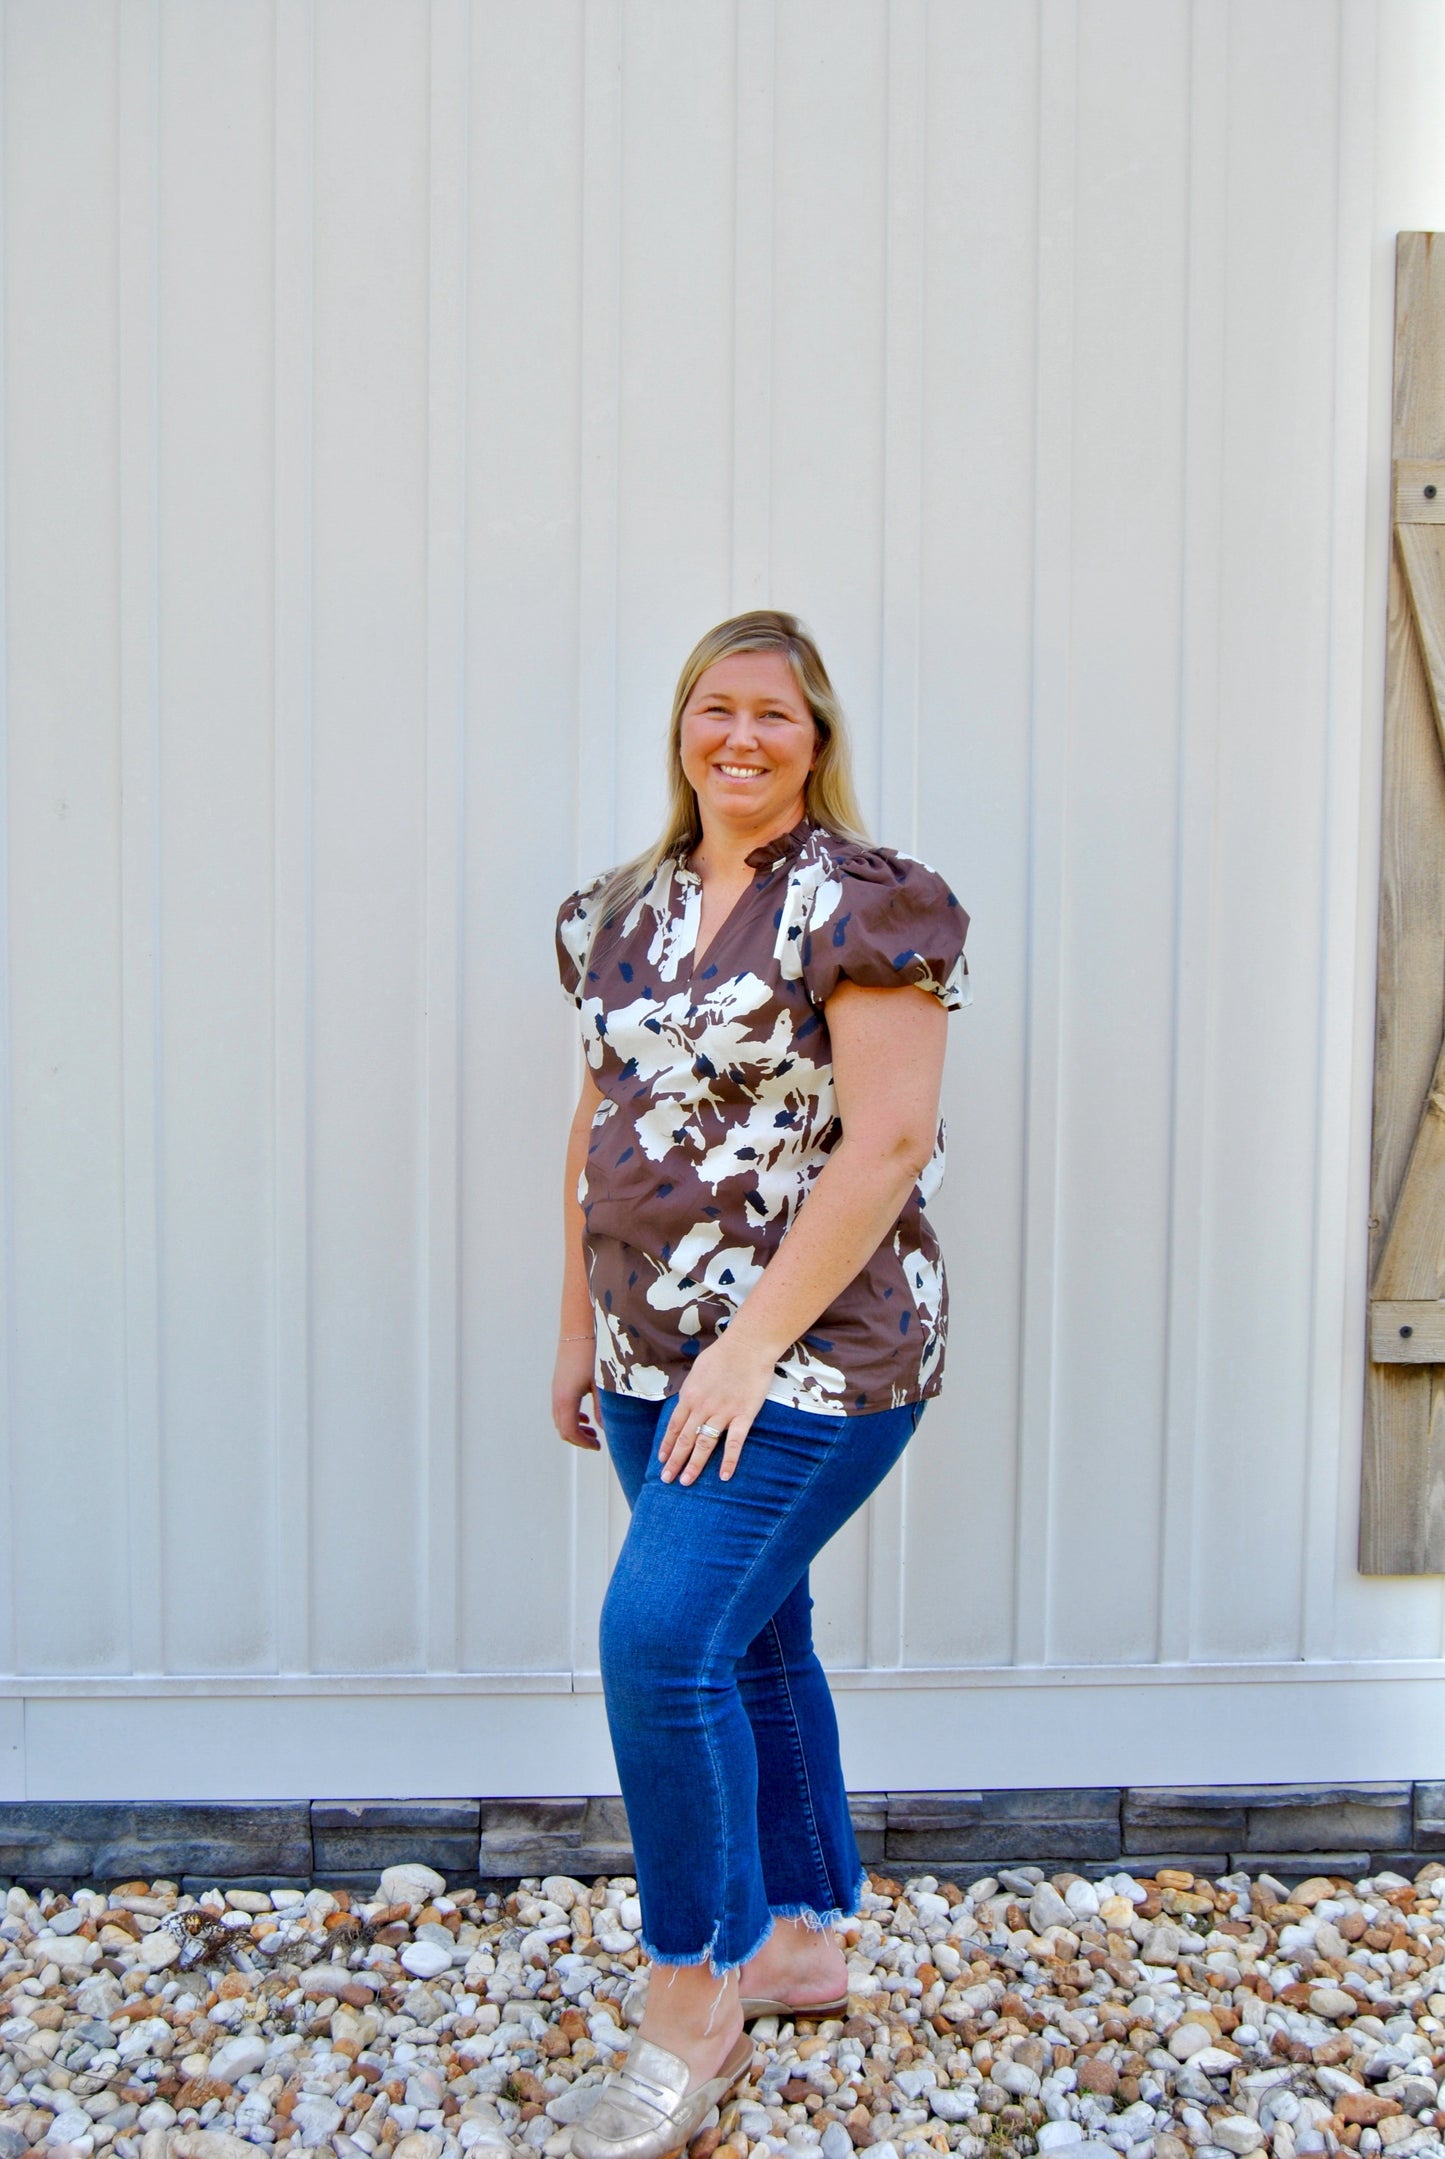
{"x":1331,"y":2052}
{"x":1097,"y":2075}
{"x":1366,"y":2108}
{"x":1128,"y":2090}
{"x":197,"y":2090}
{"x":554,"y":2043}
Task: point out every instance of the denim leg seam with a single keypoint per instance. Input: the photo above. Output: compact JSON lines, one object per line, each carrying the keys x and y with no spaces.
{"x":742,"y":1585}
{"x":800,"y":1758}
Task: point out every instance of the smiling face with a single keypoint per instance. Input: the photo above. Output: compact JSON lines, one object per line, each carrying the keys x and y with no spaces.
{"x":748,"y":744}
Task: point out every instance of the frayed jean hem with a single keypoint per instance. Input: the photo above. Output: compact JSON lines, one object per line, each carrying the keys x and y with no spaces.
{"x":818,"y":1922}
{"x":690,"y":1959}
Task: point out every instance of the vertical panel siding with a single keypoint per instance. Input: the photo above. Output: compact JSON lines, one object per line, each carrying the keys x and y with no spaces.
{"x":1273,"y":689}
{"x":214,"y":520}
{"x":531,"y":1512}
{"x":368,"y":802}
{"x":292,"y":368}
{"x":1201,"y":463}
{"x":68,"y":1398}
{"x":975,"y":633}
{"x":391,"y":394}
{"x":1121,"y":774}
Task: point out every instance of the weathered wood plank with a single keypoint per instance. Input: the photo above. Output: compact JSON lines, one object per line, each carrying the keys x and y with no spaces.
{"x":1422,"y":559}
{"x":1419,"y":491}
{"x":1412,"y":1264}
{"x":1419,"y":429}
{"x":1407,"y":1331}
{"x":1411,"y":991}
{"x":1402,"y":1496}
{"x":1403,"y":1513}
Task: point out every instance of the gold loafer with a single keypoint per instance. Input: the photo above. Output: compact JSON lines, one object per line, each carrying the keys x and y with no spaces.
{"x":762,"y":2005}
{"x":644,"y":2110}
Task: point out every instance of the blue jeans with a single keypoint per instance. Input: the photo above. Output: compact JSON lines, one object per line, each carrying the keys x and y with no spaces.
{"x":721,"y":1719}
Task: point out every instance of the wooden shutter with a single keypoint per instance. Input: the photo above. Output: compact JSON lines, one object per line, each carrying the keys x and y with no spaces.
{"x":1402,"y":1512}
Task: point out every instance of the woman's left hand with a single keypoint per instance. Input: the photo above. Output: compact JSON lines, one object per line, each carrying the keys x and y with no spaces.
{"x":724,"y":1390}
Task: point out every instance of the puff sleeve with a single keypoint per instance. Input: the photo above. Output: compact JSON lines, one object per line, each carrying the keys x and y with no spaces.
{"x":574,"y":934}
{"x":882,"y":920}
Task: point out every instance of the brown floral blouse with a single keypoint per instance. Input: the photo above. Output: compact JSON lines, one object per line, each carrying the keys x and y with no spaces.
{"x":720,"y":1112}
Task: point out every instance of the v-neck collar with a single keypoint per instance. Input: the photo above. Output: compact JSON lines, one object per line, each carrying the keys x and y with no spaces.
{"x":763,"y":860}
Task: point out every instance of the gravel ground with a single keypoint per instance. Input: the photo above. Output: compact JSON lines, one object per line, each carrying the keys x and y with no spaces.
{"x":999,"y":2017}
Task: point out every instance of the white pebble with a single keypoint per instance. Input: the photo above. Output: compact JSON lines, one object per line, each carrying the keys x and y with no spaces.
{"x":427,"y":1960}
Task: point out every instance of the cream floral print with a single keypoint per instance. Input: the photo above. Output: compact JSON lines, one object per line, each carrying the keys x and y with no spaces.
{"x":719,"y":1112}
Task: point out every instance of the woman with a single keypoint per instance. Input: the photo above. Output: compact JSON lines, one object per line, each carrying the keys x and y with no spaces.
{"x":763,"y":998}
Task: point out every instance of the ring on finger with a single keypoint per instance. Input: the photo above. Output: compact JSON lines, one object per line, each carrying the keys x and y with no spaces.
{"x":706,"y":1431}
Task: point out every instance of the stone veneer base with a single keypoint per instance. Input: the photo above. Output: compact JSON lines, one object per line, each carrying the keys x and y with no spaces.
{"x":1288,"y":1829}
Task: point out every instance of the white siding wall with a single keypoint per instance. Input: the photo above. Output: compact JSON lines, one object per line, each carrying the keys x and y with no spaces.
{"x":391,"y":393}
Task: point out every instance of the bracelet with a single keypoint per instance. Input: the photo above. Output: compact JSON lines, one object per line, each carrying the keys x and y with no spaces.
{"x":590,"y":1336}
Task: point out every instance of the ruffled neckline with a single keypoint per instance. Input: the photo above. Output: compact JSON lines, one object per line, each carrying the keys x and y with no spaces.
{"x":772,"y":854}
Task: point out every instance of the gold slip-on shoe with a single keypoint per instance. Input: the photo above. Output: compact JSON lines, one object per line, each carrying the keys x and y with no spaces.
{"x":644,"y":2110}
{"x":762,"y":2005}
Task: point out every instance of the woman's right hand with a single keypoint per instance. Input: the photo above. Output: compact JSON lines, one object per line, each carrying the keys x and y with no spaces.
{"x":571,"y":1387}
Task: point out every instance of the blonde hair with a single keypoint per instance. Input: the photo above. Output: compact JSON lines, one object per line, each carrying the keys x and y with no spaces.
{"x":828,"y":795}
